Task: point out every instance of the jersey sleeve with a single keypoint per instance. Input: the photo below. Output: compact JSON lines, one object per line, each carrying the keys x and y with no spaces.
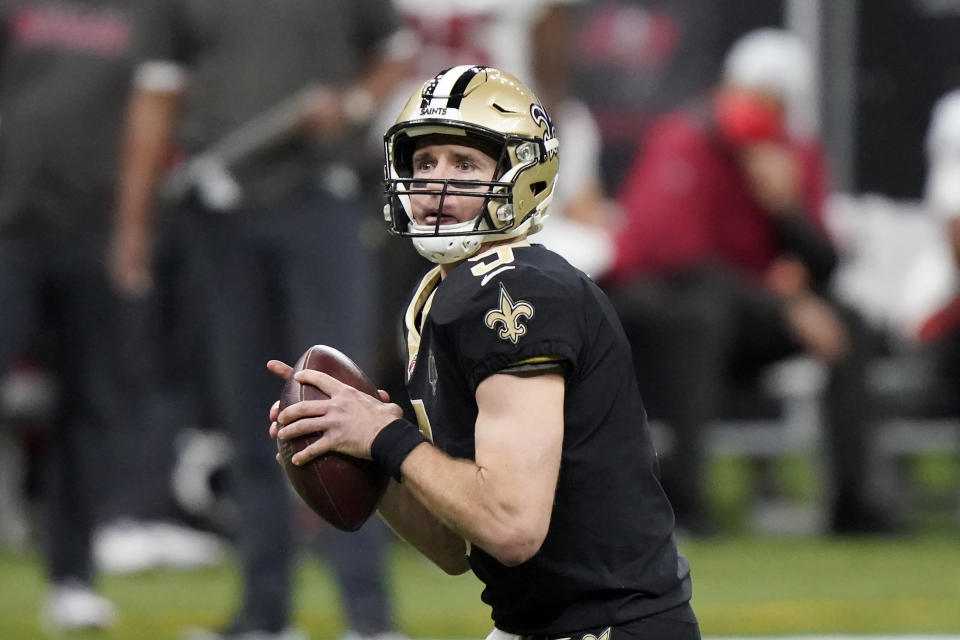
{"x":523,"y":320}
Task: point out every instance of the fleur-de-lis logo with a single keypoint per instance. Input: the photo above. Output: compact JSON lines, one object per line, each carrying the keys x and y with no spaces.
{"x":539,"y":115}
{"x":509,"y":315}
{"x":604,"y":635}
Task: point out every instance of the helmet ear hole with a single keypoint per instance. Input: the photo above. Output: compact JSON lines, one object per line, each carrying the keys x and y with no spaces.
{"x":537,"y":187}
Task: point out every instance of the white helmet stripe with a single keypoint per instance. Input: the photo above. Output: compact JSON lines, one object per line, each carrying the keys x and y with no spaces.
{"x":440,"y":90}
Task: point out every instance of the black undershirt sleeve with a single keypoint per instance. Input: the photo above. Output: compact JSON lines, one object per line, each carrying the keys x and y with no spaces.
{"x":801,"y":239}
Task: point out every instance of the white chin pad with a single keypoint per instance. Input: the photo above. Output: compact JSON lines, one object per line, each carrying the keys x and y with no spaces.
{"x":446,"y":249}
{"x":443,"y":249}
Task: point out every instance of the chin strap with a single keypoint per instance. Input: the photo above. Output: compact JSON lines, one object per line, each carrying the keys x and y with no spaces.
{"x":446,"y":249}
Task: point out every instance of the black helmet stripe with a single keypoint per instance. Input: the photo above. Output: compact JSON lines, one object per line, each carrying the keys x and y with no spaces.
{"x":456,"y":94}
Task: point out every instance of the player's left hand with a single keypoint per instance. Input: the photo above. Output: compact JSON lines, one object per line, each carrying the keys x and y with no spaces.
{"x":349,"y":419}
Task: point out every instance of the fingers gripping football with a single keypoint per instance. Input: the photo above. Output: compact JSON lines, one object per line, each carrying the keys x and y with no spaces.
{"x":342,"y":489}
{"x":349,"y":419}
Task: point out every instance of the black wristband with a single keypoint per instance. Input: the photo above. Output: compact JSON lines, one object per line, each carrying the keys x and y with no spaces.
{"x":394,"y":443}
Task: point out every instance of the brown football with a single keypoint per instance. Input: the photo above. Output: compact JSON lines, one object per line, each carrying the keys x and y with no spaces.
{"x":341,"y":489}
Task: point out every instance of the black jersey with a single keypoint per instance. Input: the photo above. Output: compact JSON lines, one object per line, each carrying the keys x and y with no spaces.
{"x":609,"y":556}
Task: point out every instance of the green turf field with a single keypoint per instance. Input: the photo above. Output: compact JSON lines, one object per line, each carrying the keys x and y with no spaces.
{"x":742,"y":586}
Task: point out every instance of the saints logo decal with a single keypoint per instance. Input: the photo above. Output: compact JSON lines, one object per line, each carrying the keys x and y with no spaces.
{"x":603,"y":635}
{"x":540,"y":116}
{"x":509,"y":316}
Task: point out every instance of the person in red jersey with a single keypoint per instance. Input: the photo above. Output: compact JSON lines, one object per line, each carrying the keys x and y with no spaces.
{"x":723,"y":265}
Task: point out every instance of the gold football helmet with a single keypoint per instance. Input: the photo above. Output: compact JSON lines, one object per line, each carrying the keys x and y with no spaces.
{"x":495,"y":112}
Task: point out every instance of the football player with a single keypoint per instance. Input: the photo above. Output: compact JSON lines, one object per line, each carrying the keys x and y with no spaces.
{"x":532,"y":463}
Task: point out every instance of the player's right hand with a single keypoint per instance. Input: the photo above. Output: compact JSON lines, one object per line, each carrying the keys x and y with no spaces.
{"x":129,"y":262}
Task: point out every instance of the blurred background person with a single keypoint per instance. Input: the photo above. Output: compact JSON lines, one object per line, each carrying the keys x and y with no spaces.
{"x":263,"y":104}
{"x":939,"y":327}
{"x":64,"y":76}
{"x":637,"y":59}
{"x":925,"y":314}
{"x":723,"y":263}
